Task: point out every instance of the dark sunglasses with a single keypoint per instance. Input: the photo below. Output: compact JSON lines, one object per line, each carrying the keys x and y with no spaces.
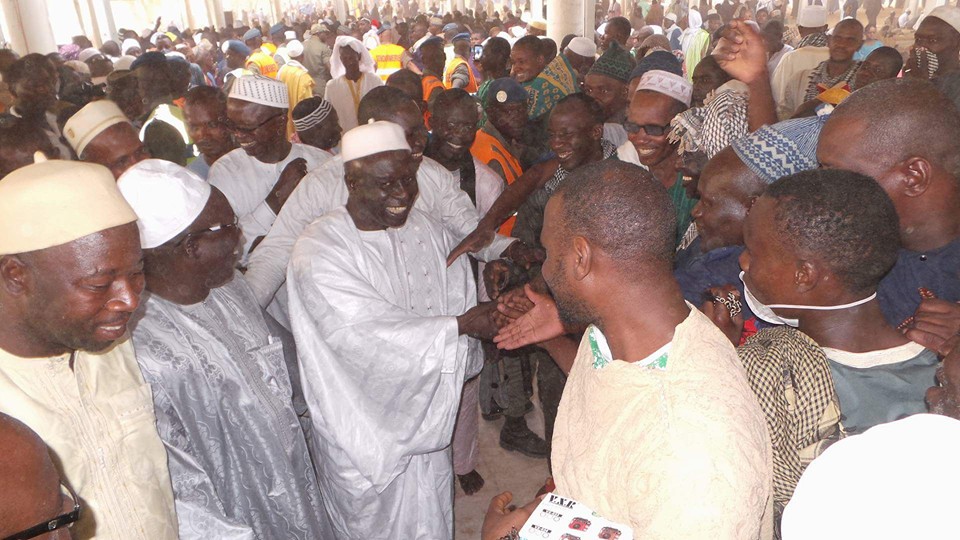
{"x":652,"y":130}
{"x":59,"y":522}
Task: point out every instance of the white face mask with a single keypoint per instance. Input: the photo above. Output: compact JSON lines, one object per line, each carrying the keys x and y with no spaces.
{"x":766,"y":313}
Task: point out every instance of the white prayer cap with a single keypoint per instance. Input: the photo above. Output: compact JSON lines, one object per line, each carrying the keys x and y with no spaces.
{"x":583,"y":46}
{"x":80,"y":67}
{"x":668,"y":84}
{"x":260,"y":90}
{"x":128,"y":44}
{"x":896,"y":480}
{"x":90,"y":121}
{"x":504,"y":35}
{"x":518,"y":31}
{"x":671,"y":17}
{"x":51,"y":203}
{"x":657,"y":30}
{"x":812,"y":17}
{"x":290,"y":34}
{"x":88,"y":53}
{"x":947,"y":14}
{"x":294,"y":48}
{"x":166,"y":197}
{"x":372,"y":138}
{"x":123,"y":63}
{"x":539,"y":24}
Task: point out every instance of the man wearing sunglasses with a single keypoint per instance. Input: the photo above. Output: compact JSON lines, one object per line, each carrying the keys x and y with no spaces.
{"x":659,"y":97}
{"x":71,"y":276}
{"x":34,"y":502}
{"x":222,"y":392}
{"x":258,"y":177}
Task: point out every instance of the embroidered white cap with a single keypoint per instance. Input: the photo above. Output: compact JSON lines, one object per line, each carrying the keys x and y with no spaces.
{"x":667,"y":84}
{"x":260,"y":90}
{"x":812,"y":17}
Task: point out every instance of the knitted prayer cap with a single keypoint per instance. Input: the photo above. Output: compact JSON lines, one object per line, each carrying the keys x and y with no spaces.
{"x":668,"y":84}
{"x":657,"y":60}
{"x":260,"y":90}
{"x":781,"y":149}
{"x":615,"y":63}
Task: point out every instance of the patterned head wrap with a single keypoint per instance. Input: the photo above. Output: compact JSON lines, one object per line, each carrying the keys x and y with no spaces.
{"x":782,"y":149}
{"x":711,"y":128}
{"x":315,"y":117}
{"x":616,"y":63}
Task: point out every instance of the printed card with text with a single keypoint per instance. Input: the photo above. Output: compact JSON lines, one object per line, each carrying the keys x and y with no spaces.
{"x":562,"y":518}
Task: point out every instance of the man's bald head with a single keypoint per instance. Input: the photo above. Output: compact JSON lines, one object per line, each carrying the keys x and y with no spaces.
{"x":381,"y":102}
{"x":897,"y":119}
{"x":30,"y":492}
{"x":621,"y":210}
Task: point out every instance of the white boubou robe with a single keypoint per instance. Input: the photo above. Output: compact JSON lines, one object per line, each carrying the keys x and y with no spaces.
{"x":382,"y":365}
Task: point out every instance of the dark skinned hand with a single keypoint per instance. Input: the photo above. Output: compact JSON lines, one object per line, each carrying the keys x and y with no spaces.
{"x":502,"y":516}
{"x":741,"y":52}
{"x":496,"y":274}
{"x":478,"y":321}
{"x":474,"y":242}
{"x":290,"y":178}
{"x":511,"y":306}
{"x":523,"y":255}
{"x":935,"y":325}
{"x":732,"y":327}
{"x":540,"y":323}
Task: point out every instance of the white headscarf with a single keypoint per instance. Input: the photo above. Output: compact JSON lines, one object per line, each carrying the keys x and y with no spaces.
{"x":336,"y":66}
{"x":694,"y":25}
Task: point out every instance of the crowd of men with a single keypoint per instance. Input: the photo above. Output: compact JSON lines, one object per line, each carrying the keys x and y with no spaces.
{"x":264,"y":282}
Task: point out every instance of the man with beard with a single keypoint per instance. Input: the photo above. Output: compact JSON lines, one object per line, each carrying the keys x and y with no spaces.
{"x":384,"y":330}
{"x":657,"y":406}
{"x":221,"y":391}
{"x":258,"y":177}
{"x":206,"y":112}
{"x":70,"y":278}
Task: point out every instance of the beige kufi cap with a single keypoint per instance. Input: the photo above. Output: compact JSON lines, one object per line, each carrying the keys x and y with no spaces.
{"x":90,"y":121}
{"x":260,"y":90}
{"x":583,"y":46}
{"x":56,"y":202}
{"x":166,"y":197}
{"x":372,"y":138}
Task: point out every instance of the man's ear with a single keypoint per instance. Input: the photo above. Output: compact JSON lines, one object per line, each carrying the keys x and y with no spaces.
{"x":15,"y":276}
{"x":584,"y":253}
{"x":807,"y":276}
{"x":916,"y":174}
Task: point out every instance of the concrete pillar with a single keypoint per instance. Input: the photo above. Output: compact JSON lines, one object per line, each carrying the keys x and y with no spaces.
{"x":460,"y":5}
{"x":569,"y":17}
{"x":29,"y":24}
{"x":536,"y":9}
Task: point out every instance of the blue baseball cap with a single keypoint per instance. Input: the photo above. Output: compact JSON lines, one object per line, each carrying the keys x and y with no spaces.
{"x":505,"y":90}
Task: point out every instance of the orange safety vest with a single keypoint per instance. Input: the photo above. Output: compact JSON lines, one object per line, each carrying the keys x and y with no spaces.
{"x":452,"y":65}
{"x":488,"y":149}
{"x":263,"y":63}
{"x":387,"y":56}
{"x":430,"y":83}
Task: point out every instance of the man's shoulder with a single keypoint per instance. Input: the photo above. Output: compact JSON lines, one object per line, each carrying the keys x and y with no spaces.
{"x":328,"y":233}
{"x":232,"y":159}
{"x":314,"y":156}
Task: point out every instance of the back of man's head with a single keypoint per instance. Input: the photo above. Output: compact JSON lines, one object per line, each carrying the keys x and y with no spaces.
{"x":380,"y":102}
{"x":843,"y":219}
{"x":31,"y":484}
{"x":903,"y":118}
{"x":622,"y":210}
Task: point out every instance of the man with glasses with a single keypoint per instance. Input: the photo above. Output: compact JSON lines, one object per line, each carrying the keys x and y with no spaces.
{"x":258,"y":177}
{"x":660,"y":96}
{"x":222,"y":392}
{"x":34,"y":501}
{"x":71,"y":276}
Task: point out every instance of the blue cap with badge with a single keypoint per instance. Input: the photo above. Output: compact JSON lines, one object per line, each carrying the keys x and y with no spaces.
{"x":505,"y":90}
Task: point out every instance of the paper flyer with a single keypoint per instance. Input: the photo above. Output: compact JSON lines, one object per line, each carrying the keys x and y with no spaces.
{"x":562,"y":518}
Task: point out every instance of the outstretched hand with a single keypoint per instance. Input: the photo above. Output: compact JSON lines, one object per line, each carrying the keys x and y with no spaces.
{"x":741,"y":52}
{"x":474,"y":242}
{"x":540,"y":323}
{"x":502,"y":516}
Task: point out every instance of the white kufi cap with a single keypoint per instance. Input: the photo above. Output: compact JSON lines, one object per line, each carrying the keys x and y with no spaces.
{"x":583,"y":46}
{"x":92,"y":120}
{"x":166,"y":197}
{"x":668,"y":84}
{"x":260,"y":90}
{"x":294,"y":48}
{"x":372,"y":138}
{"x":55,"y":202}
{"x":812,"y":17}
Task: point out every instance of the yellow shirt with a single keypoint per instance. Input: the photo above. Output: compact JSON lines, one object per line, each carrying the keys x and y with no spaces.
{"x":299,"y":87}
{"x":387,"y":57}
{"x":99,"y":423}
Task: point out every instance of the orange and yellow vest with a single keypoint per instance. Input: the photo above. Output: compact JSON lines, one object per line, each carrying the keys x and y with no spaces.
{"x":488,"y":149}
{"x":387,"y":56}
{"x":452,"y":65}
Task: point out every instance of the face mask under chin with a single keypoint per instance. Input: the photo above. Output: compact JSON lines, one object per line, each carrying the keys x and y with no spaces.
{"x":766,"y":312}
